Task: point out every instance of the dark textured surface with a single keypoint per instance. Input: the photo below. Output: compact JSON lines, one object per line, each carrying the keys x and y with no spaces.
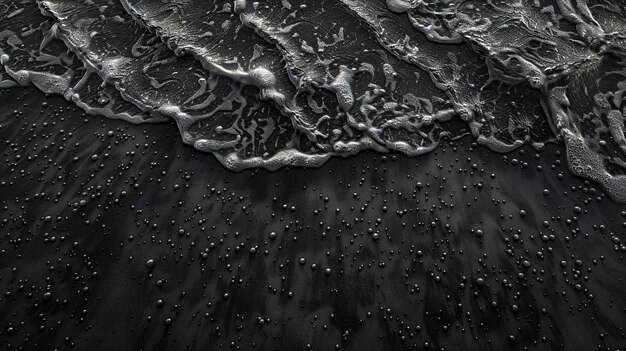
{"x":119,"y":237}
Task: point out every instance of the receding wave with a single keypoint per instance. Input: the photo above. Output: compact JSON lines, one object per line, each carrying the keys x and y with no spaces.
{"x":277,"y":83}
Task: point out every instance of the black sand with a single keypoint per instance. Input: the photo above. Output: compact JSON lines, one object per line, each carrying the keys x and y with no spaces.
{"x":119,"y":237}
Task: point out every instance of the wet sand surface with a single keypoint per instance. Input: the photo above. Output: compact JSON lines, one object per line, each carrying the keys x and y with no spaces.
{"x":119,"y":237}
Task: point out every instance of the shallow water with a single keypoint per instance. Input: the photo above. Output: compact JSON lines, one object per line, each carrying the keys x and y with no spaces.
{"x":270,"y":84}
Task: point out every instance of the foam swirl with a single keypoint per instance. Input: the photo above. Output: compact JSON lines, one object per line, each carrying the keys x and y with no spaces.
{"x":271,"y":84}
